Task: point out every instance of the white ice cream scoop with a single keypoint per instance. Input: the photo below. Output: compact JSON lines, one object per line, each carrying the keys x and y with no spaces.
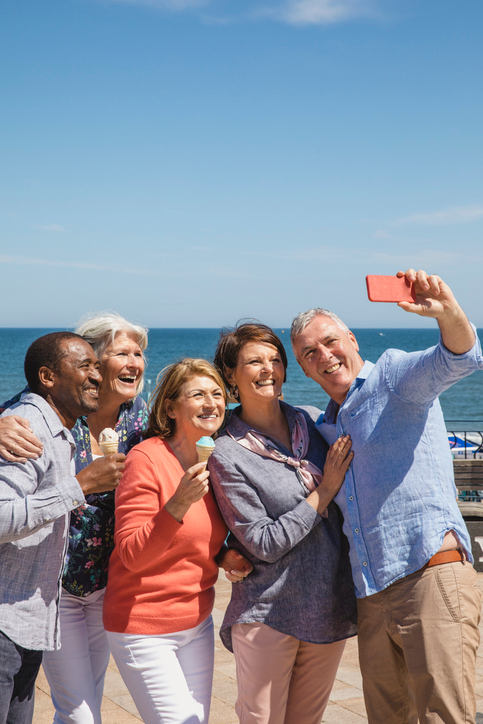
{"x":108,"y":441}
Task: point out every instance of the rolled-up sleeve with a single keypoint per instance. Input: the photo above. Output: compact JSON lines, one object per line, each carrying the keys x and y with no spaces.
{"x":420,"y":377}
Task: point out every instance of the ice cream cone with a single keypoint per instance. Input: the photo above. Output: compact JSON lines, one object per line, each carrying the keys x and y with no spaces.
{"x":107,"y":448}
{"x":204,"y":447}
{"x":108,"y":441}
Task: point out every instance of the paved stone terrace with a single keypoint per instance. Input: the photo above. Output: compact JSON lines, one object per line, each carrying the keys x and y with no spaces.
{"x":346,"y":704}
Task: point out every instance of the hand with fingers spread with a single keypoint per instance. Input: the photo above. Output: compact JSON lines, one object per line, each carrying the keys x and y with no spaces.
{"x":193,"y":486}
{"x":336,"y":465}
{"x":17,"y":441}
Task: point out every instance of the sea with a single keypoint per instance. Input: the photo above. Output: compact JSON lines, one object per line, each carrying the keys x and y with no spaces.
{"x":462,"y":404}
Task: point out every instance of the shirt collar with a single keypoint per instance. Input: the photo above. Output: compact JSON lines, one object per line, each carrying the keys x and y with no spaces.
{"x":332,"y":408}
{"x":238,"y":428}
{"x":366,"y":368}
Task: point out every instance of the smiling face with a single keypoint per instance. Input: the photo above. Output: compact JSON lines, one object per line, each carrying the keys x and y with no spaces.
{"x":199,"y":409}
{"x":74,"y":387}
{"x":122,"y":366}
{"x":259,"y":373}
{"x":328,"y":355}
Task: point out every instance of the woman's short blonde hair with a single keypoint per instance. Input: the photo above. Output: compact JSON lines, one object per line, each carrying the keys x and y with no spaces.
{"x":168,"y":388}
{"x":100,"y":330}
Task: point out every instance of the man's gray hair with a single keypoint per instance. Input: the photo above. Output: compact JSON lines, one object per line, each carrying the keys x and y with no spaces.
{"x":304,"y":318}
{"x":100,"y":330}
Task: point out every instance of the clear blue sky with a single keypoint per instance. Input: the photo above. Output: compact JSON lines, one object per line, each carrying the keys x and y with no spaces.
{"x":193,"y":162}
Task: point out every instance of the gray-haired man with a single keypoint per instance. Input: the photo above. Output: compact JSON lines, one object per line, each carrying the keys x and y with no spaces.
{"x":410,"y":551}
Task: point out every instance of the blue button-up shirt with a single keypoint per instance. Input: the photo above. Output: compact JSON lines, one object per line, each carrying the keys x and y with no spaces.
{"x":399,"y":496}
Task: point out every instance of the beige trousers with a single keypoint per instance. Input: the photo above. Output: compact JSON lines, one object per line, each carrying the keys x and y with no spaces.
{"x":417,"y":647}
{"x":282,"y":680}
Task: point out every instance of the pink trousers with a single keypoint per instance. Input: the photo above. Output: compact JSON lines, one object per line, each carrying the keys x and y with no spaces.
{"x":282,"y":680}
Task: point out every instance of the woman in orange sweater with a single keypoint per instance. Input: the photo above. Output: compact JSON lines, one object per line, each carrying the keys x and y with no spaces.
{"x":159,"y":597}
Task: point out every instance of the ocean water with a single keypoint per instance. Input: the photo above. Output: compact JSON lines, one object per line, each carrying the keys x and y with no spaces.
{"x":462,"y":404}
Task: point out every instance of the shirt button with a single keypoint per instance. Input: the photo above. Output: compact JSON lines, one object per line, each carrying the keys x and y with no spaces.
{"x":75,"y":502}
{"x":357,"y":530}
{"x":364,"y":563}
{"x":351,"y":497}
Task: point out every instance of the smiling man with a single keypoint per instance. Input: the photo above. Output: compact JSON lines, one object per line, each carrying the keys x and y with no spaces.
{"x":410,"y":552}
{"x":35,"y":499}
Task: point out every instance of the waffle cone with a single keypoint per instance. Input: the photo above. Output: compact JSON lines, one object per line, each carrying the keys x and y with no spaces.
{"x":107,"y":448}
{"x":203,"y":455}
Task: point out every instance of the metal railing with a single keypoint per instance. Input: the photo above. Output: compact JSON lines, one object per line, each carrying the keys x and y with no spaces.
{"x":466,"y":443}
{"x":465,"y":438}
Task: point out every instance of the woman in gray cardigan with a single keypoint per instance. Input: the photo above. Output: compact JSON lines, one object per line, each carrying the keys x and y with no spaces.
{"x":288,"y":621}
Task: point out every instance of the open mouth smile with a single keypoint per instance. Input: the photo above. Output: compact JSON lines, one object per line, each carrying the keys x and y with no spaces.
{"x":265,"y":383}
{"x":334,"y":368}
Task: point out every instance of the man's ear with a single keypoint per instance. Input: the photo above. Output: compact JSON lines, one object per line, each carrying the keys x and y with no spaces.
{"x":46,"y":377}
{"x":353,"y":339}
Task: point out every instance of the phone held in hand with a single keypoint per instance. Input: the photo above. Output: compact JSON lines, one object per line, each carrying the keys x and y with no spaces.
{"x":389,"y":289}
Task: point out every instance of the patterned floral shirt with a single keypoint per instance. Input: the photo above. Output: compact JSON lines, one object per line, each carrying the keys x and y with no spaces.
{"x":91,"y":532}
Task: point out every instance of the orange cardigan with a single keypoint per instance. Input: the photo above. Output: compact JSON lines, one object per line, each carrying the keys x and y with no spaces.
{"x":161,"y":572}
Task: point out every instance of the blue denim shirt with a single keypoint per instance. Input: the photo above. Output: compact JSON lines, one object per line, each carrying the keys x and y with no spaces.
{"x":399,"y":497}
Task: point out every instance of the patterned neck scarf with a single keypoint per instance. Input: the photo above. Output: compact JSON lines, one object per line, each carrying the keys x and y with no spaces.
{"x":262,"y":445}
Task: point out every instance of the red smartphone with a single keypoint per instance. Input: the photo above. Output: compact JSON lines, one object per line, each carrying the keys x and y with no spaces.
{"x":389,"y":289}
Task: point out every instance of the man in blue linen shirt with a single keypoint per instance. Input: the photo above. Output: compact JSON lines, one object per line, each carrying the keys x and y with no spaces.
{"x":410,"y":551}
{"x":35,"y":498}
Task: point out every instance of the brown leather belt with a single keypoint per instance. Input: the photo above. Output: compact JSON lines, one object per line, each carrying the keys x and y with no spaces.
{"x":446,"y":557}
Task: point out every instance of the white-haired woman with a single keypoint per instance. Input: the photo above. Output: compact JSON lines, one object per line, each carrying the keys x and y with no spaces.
{"x":76,"y":671}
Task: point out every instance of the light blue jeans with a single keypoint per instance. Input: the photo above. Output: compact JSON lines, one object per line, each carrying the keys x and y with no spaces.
{"x":169,"y":676}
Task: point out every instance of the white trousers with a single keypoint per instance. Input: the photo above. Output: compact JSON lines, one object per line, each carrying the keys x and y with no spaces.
{"x":76,"y":671}
{"x":169,"y":676}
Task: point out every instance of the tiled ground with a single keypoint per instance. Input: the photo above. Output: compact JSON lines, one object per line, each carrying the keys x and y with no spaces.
{"x":346,"y":703}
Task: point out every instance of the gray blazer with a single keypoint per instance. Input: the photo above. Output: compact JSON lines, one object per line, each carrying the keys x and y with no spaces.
{"x":301,"y":584}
